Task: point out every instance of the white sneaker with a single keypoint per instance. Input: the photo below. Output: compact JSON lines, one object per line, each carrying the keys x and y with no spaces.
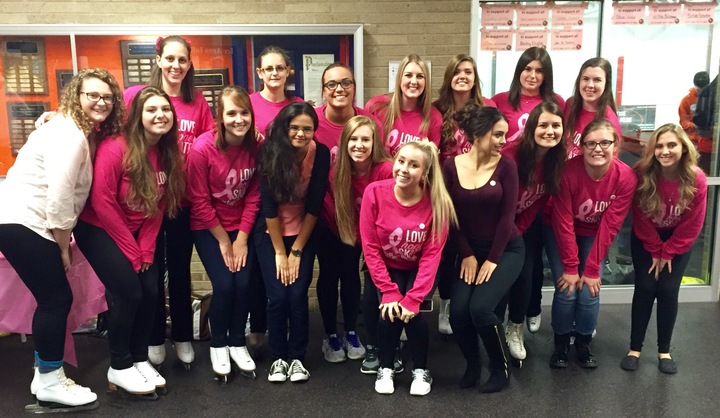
{"x":241,"y":357}
{"x":156,"y":354}
{"x":422,"y":382}
{"x":278,"y":371}
{"x":130,"y":380}
{"x":55,"y":387}
{"x":355,"y":349}
{"x":533,"y":323}
{"x":185,"y":352}
{"x":298,"y":372}
{"x":444,"y":317}
{"x":384,"y":383}
{"x":220,"y":359}
{"x":332,"y":349}
{"x":516,"y":340}
{"x":152,"y":375}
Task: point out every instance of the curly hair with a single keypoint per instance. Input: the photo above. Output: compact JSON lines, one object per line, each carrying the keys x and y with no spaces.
{"x":187,"y":87}
{"x":575,"y":103}
{"x":240,"y":98}
{"x":446,"y":105}
{"x":648,"y":170}
{"x":547,"y":91}
{"x":70,"y":104}
{"x":143,"y":189}
{"x":277,"y":162}
{"x":554,"y":159}
{"x":345,"y":207}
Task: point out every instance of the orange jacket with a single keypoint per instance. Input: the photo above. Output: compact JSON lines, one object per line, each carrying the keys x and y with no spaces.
{"x":686,"y":112}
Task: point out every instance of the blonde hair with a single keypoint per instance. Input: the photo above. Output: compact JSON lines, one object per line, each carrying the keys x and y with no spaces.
{"x":345,"y":208}
{"x":394,"y":107}
{"x":648,"y":169}
{"x":442,"y":206}
{"x":70,"y":103}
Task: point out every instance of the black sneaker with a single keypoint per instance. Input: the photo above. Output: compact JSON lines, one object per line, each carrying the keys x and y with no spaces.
{"x":371,"y":362}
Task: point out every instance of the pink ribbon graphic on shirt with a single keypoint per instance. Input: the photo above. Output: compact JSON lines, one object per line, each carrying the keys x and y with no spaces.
{"x":394,"y":239}
{"x":230,"y":182}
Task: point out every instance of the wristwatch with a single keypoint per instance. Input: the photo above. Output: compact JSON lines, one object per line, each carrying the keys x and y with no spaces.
{"x":297,"y":253}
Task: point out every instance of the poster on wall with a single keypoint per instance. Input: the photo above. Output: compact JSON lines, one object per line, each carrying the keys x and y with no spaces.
{"x":566,"y":40}
{"x":496,"y":39}
{"x":533,"y":16}
{"x":698,"y":13}
{"x":529,"y":38}
{"x":568,"y":14}
{"x":497,"y":14}
{"x":664,"y":14}
{"x":313,"y":67}
{"x":628,"y":14}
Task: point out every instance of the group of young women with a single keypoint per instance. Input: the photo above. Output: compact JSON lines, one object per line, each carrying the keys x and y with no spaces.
{"x":423,"y":190}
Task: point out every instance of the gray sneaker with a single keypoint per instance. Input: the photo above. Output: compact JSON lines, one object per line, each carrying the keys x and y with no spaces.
{"x":371,"y":362}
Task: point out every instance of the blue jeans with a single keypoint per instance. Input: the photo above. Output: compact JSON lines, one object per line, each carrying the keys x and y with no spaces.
{"x":287,"y":305}
{"x":576,"y":312}
{"x":230,"y":302}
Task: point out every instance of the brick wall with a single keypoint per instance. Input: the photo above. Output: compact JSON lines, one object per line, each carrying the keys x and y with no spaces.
{"x":436,"y":30}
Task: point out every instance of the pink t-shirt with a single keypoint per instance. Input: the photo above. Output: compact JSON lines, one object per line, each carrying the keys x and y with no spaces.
{"x":518,"y":117}
{"x":407,"y":126}
{"x":328,"y":133}
{"x":686,"y":225}
{"x":194,"y":118}
{"x":292,"y":214}
{"x":532,"y":199}
{"x":222,"y":187}
{"x":399,"y":237}
{"x":585,"y":207}
{"x":380,"y":171}
{"x":573,"y":141}
{"x":265,"y":111}
{"x":108,"y":206}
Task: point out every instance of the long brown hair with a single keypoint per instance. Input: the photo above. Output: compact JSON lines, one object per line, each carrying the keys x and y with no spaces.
{"x":648,"y":170}
{"x":143,"y":184}
{"x":345,"y":207}
{"x":554,"y":160}
{"x":239,"y":97}
{"x":575,"y":104}
{"x":70,"y":103}
{"x":446,"y":105}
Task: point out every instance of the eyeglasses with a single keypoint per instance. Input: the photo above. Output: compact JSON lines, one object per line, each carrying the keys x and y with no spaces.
{"x":95,"y":97}
{"x":270,"y":69}
{"x":591,"y":145}
{"x":306,"y":129}
{"x":345,"y":83}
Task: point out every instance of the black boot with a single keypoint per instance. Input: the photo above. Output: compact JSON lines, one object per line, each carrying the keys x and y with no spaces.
{"x":467,"y":340}
{"x":493,"y":338}
{"x":584,"y":356}
{"x":559,"y":357}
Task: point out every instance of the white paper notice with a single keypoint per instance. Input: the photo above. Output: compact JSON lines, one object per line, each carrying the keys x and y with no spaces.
{"x":313,"y":67}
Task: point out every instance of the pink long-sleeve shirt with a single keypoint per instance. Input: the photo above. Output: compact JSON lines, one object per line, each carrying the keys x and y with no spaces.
{"x":685,"y":225}
{"x":223,"y":186}
{"x":328,"y":133}
{"x":399,"y":237}
{"x":590,"y":208}
{"x":407,"y":126}
{"x":573,"y":141}
{"x":265,"y":111}
{"x":462,"y":146}
{"x":532,"y":198}
{"x":108,"y":206}
{"x":518,"y":117}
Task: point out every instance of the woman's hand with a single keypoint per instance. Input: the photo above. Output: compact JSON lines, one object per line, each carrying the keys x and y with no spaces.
{"x":281,"y":262}
{"x":486,"y":270}
{"x":293,"y":270}
{"x":569,"y":282}
{"x":144,"y":267}
{"x":240,"y":252}
{"x":226,"y":250}
{"x":390,"y":311}
{"x":405,"y":314}
{"x":592,"y":284}
{"x":658,"y":264}
{"x":66,"y":256}
{"x":468,"y":269}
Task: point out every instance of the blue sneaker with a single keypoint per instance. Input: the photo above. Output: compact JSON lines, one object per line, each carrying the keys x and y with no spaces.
{"x":332,"y":349}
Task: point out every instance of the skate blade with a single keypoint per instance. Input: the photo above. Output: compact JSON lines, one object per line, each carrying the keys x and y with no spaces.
{"x":161,"y":390}
{"x":222,"y":379}
{"x":144,"y":396}
{"x":248,"y":375}
{"x":52,"y":408}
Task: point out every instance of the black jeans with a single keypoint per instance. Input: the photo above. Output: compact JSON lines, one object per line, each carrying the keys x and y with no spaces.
{"x":338,"y":261}
{"x":665,"y":289}
{"x":173,"y":252}
{"x":37,"y":261}
{"x":416,"y":328}
{"x":131,"y":307}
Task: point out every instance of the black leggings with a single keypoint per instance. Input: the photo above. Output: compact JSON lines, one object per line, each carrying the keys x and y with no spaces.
{"x":473,"y":306}
{"x":258,"y":297}
{"x":446,"y":271}
{"x":337,"y":260}
{"x":665,"y":289}
{"x":416,"y":328}
{"x":173,"y":252}
{"x":37,"y":261}
{"x":370,"y":310}
{"x":131,"y":307}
